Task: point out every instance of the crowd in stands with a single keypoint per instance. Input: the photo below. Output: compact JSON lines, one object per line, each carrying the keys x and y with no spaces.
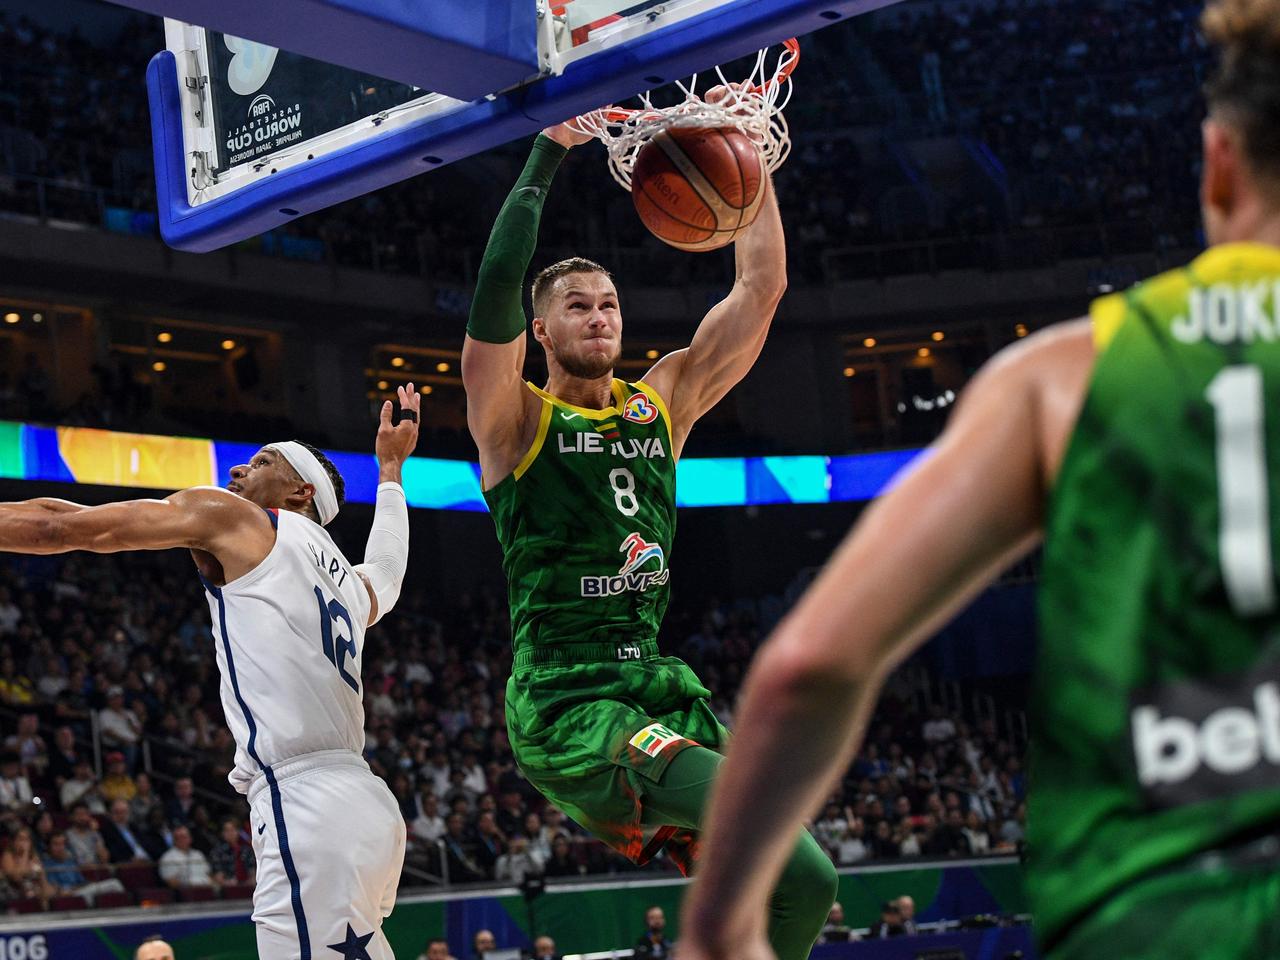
{"x":1081,"y":112}
{"x":121,"y":645}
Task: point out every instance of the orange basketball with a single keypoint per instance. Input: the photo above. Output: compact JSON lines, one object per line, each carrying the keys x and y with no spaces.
{"x":697,"y":189}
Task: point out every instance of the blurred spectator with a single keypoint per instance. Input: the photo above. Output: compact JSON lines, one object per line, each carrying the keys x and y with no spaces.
{"x":29,"y":745}
{"x":84,"y":840}
{"x":65,"y":756}
{"x":907,"y":912}
{"x":232,"y":859}
{"x":490,"y":843}
{"x":15,"y":788}
{"x":544,"y":948}
{"x":184,"y":866}
{"x":653,"y":943}
{"x":517,"y":864}
{"x":64,"y":874}
{"x":562,"y":862}
{"x":889,"y":924}
{"x":830,"y":828}
{"x":437,"y":949}
{"x":121,"y":728}
{"x":117,"y":784}
{"x":939,"y":727}
{"x":851,"y":848}
{"x":181,"y":806}
{"x":836,"y":930}
{"x":144,"y":800}
{"x":154,"y":948}
{"x":82,"y":787}
{"x":979,"y":840}
{"x":483,"y":942}
{"x":124,"y":841}
{"x":23,"y":870}
{"x":460,"y":852}
{"x":428,"y":826}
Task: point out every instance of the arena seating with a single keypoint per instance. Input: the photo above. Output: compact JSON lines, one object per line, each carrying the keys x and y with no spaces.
{"x":962,"y":148}
{"x":72,"y":628}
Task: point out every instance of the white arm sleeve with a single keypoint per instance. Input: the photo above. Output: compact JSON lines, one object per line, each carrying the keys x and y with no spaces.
{"x":386,"y":555}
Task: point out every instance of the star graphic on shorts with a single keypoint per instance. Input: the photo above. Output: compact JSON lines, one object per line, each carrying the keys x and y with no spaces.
{"x":354,"y":948}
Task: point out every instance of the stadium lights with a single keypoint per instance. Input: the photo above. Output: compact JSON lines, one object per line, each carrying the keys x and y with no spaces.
{"x":426,"y":389}
{"x":11,"y":317}
{"x":397,"y":361}
{"x":938,"y":336}
{"x":849,"y":371}
{"x":382,"y":385}
{"x":442,"y":367}
{"x":37,"y":318}
{"x":1020,"y":330}
{"x":869,"y":342}
{"x":228,"y":344}
{"x":923,"y":352}
{"x":164,"y":336}
{"x":651,"y":354}
{"x":158,"y":366}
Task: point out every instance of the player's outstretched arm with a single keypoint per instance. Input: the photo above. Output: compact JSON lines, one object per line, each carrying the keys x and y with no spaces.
{"x":386,"y":555}
{"x":731,"y":336}
{"x":198,"y":518}
{"x":972,"y":505}
{"x":494,"y":349}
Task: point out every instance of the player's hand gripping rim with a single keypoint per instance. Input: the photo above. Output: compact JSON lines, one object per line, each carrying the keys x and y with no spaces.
{"x":396,"y":441}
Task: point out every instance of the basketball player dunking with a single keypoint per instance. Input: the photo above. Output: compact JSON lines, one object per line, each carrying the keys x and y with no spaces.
{"x":580,"y":478}
{"x":289,"y":616}
{"x":1144,"y":446}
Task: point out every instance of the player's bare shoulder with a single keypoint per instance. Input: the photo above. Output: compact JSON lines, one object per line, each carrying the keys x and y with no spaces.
{"x":1050,"y":370}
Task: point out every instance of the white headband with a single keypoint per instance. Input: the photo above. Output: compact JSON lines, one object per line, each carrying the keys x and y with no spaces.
{"x":310,"y":470}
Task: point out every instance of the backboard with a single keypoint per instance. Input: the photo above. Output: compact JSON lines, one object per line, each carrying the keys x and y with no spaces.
{"x":248,"y":136}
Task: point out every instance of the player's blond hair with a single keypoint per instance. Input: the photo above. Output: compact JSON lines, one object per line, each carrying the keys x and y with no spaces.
{"x":545,"y":281}
{"x":1245,"y":90}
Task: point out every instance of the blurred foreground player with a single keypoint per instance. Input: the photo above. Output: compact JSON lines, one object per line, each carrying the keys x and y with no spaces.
{"x":1145,"y":448}
{"x":580,"y":478}
{"x":289,"y":616}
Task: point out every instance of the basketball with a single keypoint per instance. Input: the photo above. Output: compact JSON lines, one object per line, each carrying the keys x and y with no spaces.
{"x":698,"y":188}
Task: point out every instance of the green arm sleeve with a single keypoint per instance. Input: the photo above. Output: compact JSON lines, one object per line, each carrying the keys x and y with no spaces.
{"x":497,"y":311}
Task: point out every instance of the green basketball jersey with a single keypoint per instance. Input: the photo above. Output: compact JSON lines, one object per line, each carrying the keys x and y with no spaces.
{"x":586,"y":523}
{"x":1156,"y":704}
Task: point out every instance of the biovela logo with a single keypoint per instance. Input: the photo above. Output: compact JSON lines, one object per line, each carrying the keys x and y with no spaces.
{"x":1205,"y":740}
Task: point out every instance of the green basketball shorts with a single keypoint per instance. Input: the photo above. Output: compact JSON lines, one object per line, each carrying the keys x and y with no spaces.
{"x":592,"y":737}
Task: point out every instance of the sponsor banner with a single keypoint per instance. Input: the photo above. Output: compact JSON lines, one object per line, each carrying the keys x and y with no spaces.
{"x":266,"y":100}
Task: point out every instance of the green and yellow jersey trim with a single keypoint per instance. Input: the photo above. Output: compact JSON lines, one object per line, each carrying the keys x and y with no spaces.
{"x":1219,"y":264}
{"x":544,"y":424}
{"x":619,"y":398}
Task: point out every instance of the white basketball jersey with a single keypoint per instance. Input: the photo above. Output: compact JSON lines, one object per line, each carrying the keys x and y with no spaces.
{"x":289,"y":636}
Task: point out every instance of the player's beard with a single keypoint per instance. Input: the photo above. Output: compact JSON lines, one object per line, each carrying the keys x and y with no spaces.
{"x":591,"y":367}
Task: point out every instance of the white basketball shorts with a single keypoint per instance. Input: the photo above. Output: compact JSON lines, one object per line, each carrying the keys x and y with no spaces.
{"x":329,"y":838}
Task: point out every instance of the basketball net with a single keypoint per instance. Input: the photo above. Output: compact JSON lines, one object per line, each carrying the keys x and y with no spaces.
{"x":754,"y":107}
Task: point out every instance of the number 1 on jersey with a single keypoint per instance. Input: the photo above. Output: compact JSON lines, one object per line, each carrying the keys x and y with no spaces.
{"x":1244,"y":531}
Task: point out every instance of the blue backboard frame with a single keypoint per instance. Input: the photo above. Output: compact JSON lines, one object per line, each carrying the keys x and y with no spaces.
{"x":728,"y":31}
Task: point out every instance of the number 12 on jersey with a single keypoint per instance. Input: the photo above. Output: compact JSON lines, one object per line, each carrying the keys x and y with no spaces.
{"x":1244,"y":532}
{"x":337,"y":648}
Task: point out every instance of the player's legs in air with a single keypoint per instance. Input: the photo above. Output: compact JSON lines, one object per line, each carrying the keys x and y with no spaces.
{"x":640,"y":781}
